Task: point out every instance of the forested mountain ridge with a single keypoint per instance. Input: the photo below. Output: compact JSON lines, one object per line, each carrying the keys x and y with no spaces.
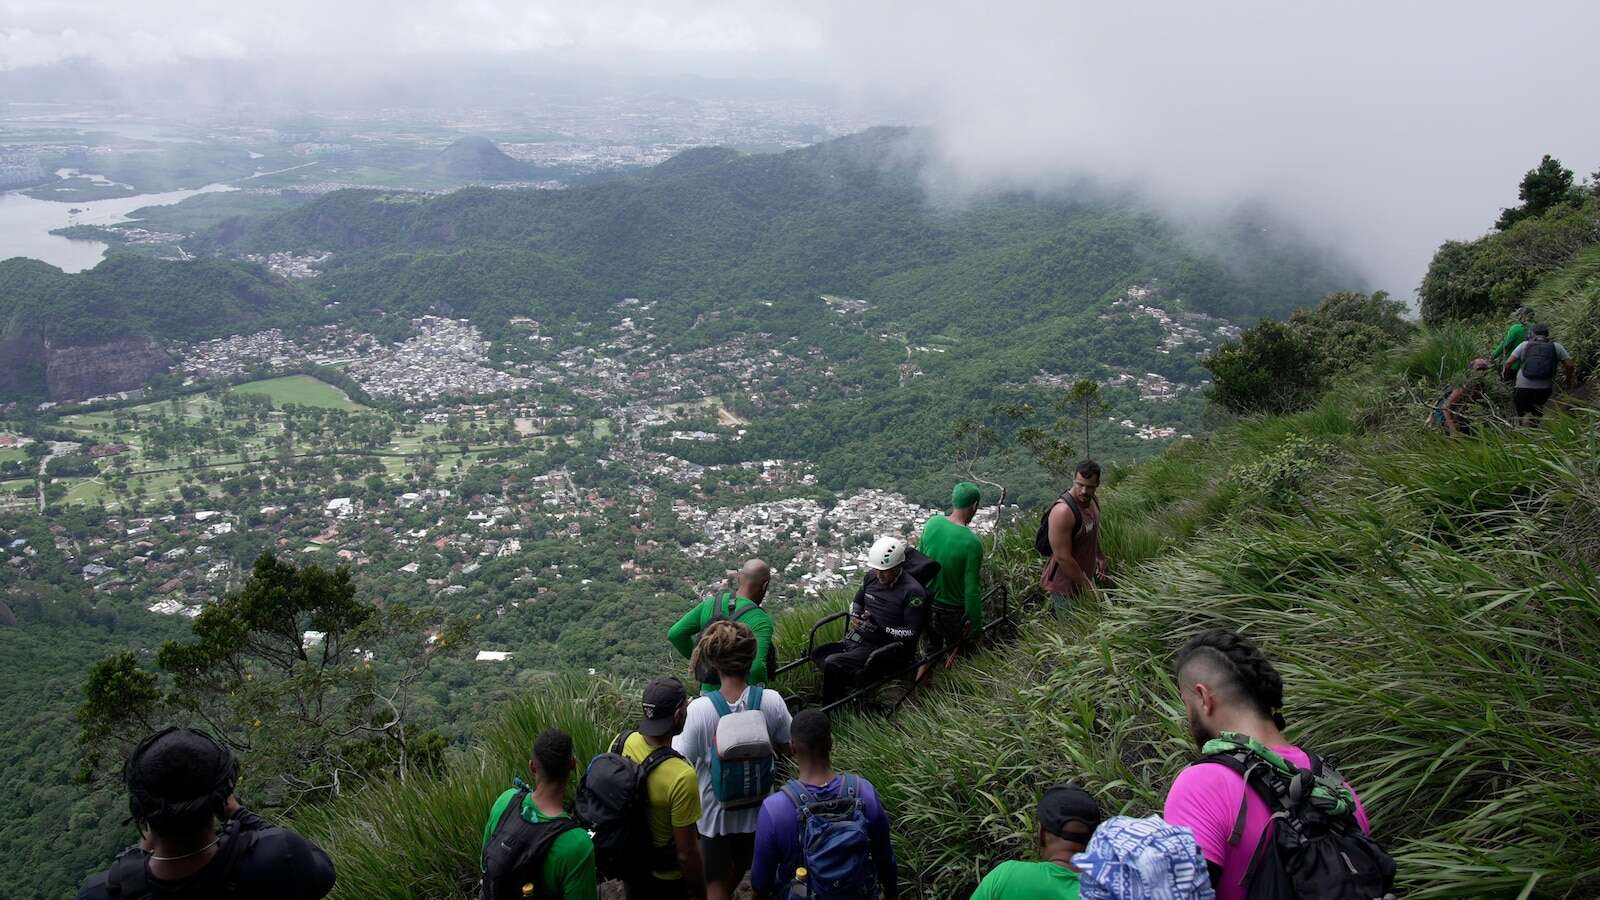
{"x":848,"y":216}
{"x":128,"y":302}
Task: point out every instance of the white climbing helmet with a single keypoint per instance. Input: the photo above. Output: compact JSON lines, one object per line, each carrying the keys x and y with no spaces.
{"x":887,"y":553}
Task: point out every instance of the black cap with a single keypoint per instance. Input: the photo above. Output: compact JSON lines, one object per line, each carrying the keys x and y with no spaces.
{"x":663,"y":697}
{"x":1065,"y":803}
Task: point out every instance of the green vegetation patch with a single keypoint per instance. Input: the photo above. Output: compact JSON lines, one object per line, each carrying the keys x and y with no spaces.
{"x":302,"y":390}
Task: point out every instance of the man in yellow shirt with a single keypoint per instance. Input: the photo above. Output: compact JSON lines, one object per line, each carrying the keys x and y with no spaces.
{"x":673,"y":792}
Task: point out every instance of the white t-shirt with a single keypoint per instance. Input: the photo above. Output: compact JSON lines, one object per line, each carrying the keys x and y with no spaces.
{"x":1538,"y":384}
{"x":695,"y":745}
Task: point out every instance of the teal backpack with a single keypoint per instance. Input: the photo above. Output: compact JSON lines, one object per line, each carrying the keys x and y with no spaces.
{"x":741,"y":753}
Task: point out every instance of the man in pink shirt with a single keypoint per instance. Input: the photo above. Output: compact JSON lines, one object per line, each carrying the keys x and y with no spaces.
{"x":1229,"y":688}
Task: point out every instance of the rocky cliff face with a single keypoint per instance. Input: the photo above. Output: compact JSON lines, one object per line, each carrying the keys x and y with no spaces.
{"x":122,"y":364}
{"x":21,"y":365}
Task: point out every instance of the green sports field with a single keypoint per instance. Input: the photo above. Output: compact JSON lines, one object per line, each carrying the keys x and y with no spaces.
{"x":301,"y":389}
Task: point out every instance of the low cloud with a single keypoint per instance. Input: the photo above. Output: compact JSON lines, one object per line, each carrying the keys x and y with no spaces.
{"x":1386,"y":126}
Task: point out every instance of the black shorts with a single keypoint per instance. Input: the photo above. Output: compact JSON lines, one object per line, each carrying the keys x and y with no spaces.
{"x":652,"y":888}
{"x":1530,"y":401}
{"x":946,"y":626}
{"x":728,"y":856}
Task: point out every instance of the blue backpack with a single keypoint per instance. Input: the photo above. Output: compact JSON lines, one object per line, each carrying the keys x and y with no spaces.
{"x":741,"y":753}
{"x":834,"y":845}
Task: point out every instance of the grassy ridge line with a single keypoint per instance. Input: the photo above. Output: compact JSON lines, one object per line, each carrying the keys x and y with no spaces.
{"x":1434,"y":608}
{"x":1432,"y":604}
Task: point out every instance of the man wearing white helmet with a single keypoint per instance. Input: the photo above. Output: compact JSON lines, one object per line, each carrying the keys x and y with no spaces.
{"x":889,"y":609}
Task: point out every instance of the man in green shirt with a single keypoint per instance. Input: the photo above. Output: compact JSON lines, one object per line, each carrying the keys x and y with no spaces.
{"x":958,"y":588}
{"x":1068,"y":816}
{"x":567,"y":871}
{"x":754,"y":578}
{"x":1515,"y":335}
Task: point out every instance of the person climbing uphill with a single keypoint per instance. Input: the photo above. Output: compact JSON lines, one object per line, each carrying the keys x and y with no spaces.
{"x":1454,"y":412}
{"x":1537,"y":359}
{"x":1515,"y":335}
{"x":1069,"y":536}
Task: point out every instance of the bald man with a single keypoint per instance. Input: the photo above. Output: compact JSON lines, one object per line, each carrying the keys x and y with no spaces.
{"x":753,"y":579}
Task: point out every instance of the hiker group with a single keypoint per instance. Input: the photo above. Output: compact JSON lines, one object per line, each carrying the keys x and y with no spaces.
{"x":689,"y":800}
{"x":1526,"y":358}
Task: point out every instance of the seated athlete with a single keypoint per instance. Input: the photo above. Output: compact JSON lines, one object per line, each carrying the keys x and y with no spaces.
{"x":888,"y":611}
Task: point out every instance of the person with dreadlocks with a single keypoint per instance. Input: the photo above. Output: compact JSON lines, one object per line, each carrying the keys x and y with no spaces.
{"x":198,"y":841}
{"x":1233,"y":698}
{"x":731,"y":736}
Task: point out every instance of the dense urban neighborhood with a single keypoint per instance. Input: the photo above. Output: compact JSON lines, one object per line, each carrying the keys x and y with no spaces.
{"x":486,"y":477}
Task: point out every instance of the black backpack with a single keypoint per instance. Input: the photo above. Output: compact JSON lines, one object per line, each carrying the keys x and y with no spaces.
{"x":725,"y":608}
{"x":922,"y":568}
{"x":614,"y":804}
{"x":1041,"y":538}
{"x":1313,"y":848}
{"x":1539,"y":360}
{"x":517,"y":849}
{"x":129,"y":879}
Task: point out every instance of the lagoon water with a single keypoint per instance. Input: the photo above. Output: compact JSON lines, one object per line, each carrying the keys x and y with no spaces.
{"x":26,"y":223}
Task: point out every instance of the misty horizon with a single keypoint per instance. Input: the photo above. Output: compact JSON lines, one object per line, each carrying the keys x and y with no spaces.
{"x":1383,"y":132}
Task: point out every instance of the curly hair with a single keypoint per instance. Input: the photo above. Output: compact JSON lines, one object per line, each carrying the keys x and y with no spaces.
{"x":1242,"y":664}
{"x":727,"y":647}
{"x":553,"y":751}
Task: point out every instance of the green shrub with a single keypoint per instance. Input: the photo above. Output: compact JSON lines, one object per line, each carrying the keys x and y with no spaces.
{"x":1274,"y":369}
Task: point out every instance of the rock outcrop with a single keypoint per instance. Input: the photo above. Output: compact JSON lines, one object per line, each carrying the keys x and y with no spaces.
{"x":21,"y":365}
{"x":120,"y":364}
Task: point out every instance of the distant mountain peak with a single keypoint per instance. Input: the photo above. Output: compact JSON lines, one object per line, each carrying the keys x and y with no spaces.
{"x":478,"y":158}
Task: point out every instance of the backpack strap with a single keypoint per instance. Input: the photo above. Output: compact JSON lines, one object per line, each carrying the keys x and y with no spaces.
{"x":753,"y":693}
{"x":616,"y":745}
{"x":657,"y":756}
{"x":720,"y":703}
{"x":1241,"y":763}
{"x":800,"y":797}
{"x":237,"y":847}
{"x":128,"y":877}
{"x":739,"y":612}
{"x":1077,"y":512}
{"x":514,"y":808}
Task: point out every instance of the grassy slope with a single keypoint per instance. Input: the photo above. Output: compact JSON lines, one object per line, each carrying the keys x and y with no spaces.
{"x":1433,"y":605}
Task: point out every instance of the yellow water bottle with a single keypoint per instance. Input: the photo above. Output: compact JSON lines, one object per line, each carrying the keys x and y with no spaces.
{"x":800,"y":889}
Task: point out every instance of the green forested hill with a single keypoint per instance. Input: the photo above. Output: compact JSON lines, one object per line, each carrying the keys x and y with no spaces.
{"x":849,"y":216}
{"x":135,"y":295}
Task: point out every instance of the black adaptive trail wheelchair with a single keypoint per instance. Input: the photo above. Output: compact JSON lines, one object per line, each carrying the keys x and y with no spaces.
{"x":894,"y":663}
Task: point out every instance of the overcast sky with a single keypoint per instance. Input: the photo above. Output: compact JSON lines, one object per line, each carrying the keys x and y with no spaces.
{"x":1389,"y":126}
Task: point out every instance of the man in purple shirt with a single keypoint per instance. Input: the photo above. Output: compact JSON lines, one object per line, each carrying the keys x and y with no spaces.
{"x":777,"y":852}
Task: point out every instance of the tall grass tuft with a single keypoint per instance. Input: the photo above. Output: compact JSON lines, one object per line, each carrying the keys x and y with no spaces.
{"x":1442,"y":353}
